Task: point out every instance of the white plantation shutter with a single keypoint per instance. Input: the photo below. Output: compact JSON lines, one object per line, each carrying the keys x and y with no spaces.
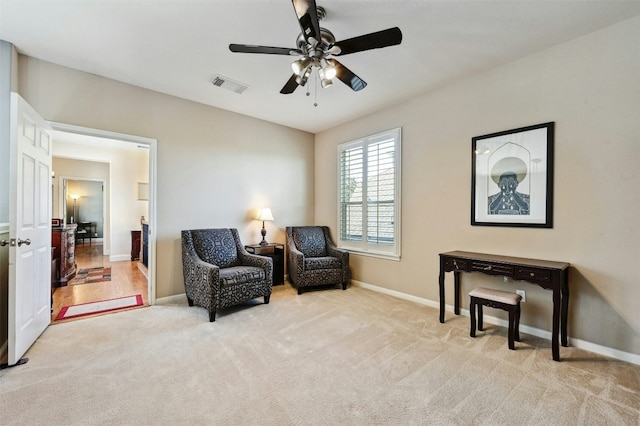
{"x":369,"y":194}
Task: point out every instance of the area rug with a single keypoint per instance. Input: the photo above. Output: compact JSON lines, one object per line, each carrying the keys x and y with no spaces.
{"x":92,"y":275}
{"x":84,"y":309}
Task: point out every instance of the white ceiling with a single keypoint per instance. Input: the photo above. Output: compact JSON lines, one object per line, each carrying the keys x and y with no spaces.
{"x":178,"y":46}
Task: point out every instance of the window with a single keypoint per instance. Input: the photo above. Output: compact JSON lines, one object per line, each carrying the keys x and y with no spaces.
{"x":369,"y":194}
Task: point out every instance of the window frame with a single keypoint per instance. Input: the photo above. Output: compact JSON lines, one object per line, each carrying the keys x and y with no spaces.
{"x":360,"y":246}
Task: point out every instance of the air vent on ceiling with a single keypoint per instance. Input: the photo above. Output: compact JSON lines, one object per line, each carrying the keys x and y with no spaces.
{"x":227,"y":83}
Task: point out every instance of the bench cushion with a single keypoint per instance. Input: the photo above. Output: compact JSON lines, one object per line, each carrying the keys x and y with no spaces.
{"x":496,"y":295}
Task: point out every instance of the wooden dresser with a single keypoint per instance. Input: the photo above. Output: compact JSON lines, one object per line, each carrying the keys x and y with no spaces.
{"x":135,"y":245}
{"x":64,"y":243}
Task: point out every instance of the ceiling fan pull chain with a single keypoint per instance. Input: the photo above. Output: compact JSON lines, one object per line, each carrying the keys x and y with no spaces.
{"x":315,"y":89}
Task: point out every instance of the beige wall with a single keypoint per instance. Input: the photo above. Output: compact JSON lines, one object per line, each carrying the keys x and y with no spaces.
{"x":214,"y":167}
{"x":590,"y":87}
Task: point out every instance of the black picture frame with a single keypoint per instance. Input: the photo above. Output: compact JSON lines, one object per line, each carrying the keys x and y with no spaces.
{"x":512,"y":177}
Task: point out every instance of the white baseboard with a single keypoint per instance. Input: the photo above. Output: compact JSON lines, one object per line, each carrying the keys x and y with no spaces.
{"x":119,"y":257}
{"x":144,"y":270}
{"x":578,"y":343}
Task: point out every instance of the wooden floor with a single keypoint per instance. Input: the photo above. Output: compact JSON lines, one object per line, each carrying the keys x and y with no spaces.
{"x":126,"y":280}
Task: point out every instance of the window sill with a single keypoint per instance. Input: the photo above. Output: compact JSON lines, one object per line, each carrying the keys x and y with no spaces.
{"x":385,"y":256}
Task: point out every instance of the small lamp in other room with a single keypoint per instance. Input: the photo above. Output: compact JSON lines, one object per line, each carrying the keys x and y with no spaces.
{"x":264,"y":214}
{"x":74,"y":217}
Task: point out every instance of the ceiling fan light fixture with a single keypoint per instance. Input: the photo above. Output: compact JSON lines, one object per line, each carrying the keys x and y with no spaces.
{"x":299,"y":65}
{"x":328,"y":69}
{"x":304,"y":76}
{"x":324,"y":80}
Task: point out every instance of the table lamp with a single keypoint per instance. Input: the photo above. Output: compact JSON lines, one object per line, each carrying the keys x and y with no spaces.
{"x":264,"y":214}
{"x":75,"y":207}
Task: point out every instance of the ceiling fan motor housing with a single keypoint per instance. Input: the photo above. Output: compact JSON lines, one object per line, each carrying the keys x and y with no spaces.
{"x":320,"y":49}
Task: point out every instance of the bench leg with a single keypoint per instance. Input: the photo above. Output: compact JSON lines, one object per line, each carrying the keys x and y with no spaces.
{"x":516,"y":329}
{"x":510,"y":331}
{"x":472,"y":314}
{"x":480,"y":315}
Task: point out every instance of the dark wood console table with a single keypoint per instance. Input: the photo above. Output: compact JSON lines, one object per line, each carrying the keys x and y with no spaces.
{"x":547,"y":274}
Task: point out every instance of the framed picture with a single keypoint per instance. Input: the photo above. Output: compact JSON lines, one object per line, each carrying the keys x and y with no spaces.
{"x":512,"y":177}
{"x":143,"y":191}
{"x":56,"y":222}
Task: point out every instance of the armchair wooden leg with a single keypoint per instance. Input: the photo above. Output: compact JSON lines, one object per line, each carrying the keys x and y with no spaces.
{"x":190,"y":301}
{"x":344,"y":286}
{"x":299,"y":290}
{"x":266,"y":299}
{"x":212,"y":315}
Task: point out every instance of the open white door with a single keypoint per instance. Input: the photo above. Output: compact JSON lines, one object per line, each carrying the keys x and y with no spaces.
{"x":29,"y":228}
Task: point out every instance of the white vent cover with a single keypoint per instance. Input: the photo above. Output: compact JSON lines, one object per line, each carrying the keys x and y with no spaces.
{"x":227,"y":83}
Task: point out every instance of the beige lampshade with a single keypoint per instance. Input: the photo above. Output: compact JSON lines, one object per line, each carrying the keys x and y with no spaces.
{"x":265,"y":214}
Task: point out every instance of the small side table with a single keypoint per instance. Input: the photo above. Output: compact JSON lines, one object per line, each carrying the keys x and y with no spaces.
{"x":276,"y":252}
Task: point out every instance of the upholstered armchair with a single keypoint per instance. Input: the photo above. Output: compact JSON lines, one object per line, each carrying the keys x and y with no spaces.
{"x":219,"y":272}
{"x":314,"y":260}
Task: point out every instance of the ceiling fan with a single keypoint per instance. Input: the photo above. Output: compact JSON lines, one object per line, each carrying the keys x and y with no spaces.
{"x":317,"y":47}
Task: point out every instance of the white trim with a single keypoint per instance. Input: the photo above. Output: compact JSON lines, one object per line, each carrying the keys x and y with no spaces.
{"x":385,"y":251}
{"x":373,"y":254}
{"x":80,"y":130}
{"x":4,"y":227}
{"x":119,"y":257}
{"x":153,"y":179}
{"x":578,"y":343}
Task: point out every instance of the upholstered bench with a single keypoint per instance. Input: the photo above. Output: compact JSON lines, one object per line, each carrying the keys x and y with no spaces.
{"x":504,"y":300}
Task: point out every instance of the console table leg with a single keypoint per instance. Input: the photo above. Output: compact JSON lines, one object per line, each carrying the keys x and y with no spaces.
{"x":555,"y":346}
{"x":564,"y":311}
{"x":441,"y":284}
{"x":456,"y":289}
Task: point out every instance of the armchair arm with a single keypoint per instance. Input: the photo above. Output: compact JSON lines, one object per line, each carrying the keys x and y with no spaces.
{"x":341,"y":254}
{"x":333,"y":250}
{"x":295,"y":259}
{"x":263,"y":262}
{"x":201,"y":281}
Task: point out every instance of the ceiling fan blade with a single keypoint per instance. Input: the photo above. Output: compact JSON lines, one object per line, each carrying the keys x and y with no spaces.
{"x":307,"y":14}
{"x":248,"y":48}
{"x":384,"y":38}
{"x":345,"y":75}
{"x":290,"y":85}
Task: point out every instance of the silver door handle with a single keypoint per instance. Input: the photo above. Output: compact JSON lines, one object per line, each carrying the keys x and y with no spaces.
{"x":12,"y":242}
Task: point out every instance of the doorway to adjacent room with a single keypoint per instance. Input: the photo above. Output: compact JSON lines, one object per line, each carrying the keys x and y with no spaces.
{"x":103,"y":255}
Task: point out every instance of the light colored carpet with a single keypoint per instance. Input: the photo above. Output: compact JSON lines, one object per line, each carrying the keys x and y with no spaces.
{"x":352,"y":357}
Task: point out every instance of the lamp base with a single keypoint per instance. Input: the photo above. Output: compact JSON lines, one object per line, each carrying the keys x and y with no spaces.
{"x":264,"y":234}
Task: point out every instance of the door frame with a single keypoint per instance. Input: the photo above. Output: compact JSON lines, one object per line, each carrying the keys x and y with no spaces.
{"x":152,"y":144}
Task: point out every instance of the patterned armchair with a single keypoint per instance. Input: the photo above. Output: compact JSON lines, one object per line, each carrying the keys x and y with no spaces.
{"x":313,"y":259}
{"x":219,"y":272}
